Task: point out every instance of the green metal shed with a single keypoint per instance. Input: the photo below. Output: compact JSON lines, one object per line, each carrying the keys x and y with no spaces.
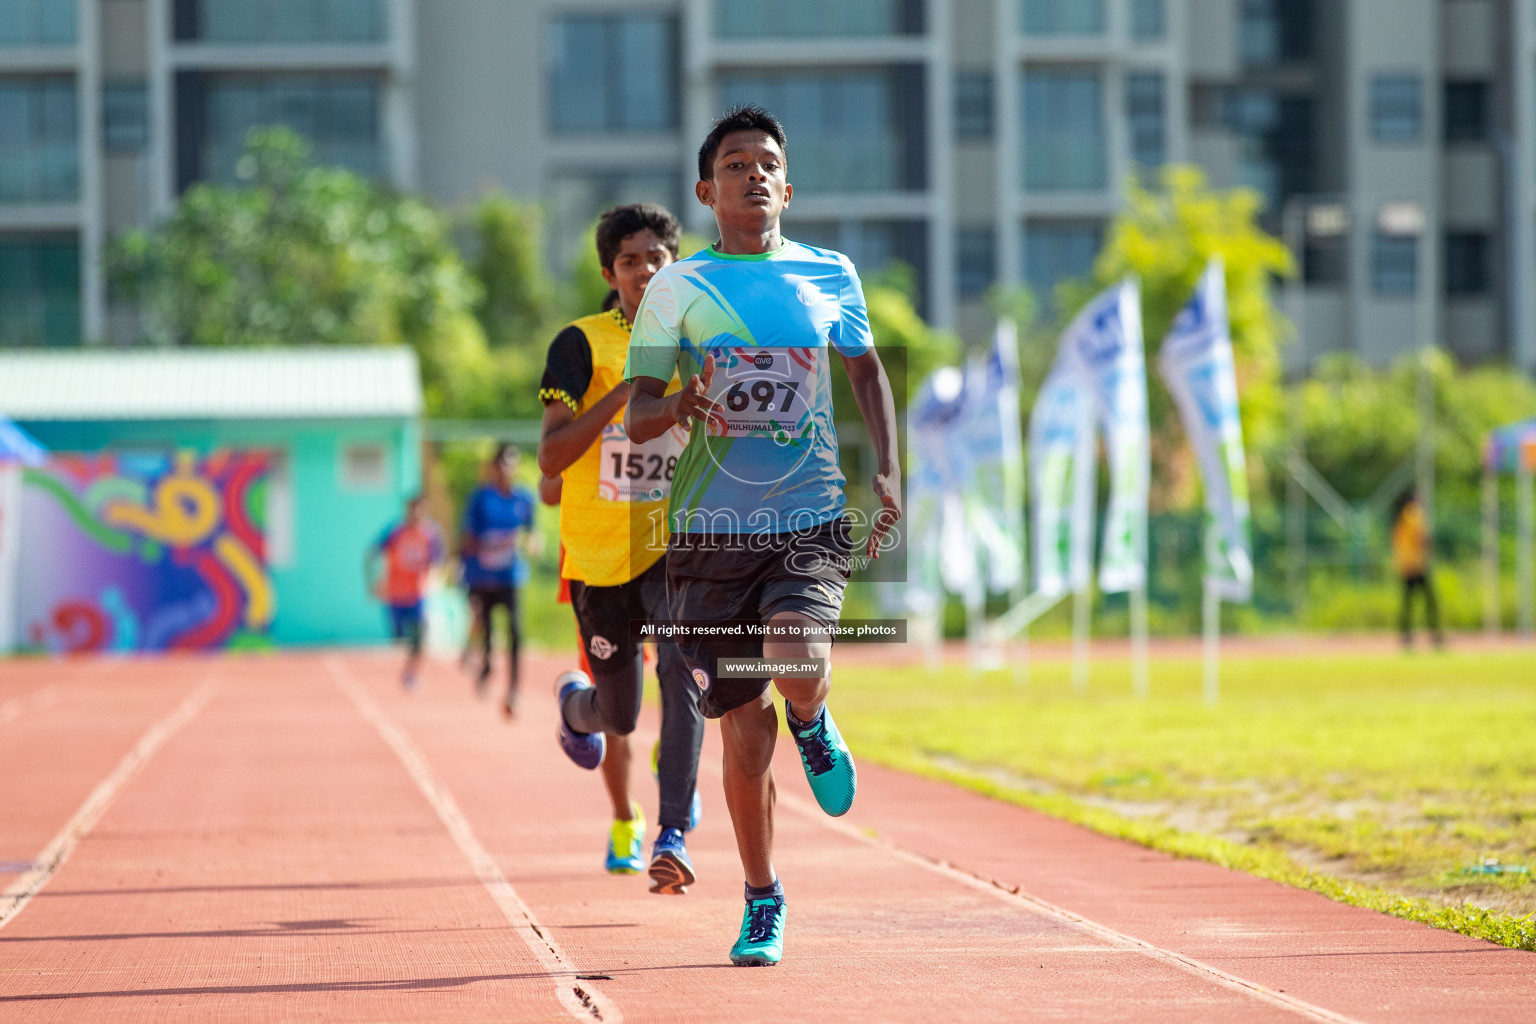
{"x":339,"y":428}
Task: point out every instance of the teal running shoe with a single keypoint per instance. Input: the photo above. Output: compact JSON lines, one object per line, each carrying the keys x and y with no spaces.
{"x":828,"y":765}
{"x":626,"y":843}
{"x":762,"y":933}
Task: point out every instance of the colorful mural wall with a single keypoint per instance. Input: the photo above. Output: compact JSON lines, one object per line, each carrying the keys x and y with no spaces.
{"x":145,"y":552}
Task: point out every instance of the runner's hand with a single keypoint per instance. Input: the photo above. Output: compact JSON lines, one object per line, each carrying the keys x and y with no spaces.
{"x":693,"y":402}
{"x":888,"y":490}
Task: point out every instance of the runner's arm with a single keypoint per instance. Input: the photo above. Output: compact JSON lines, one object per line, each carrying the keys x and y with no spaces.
{"x":566,"y":437}
{"x":652,"y":412}
{"x":872,"y":390}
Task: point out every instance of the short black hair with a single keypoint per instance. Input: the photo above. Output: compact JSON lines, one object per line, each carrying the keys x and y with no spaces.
{"x":622,"y":221}
{"x":503,"y":449}
{"x":745,"y":118}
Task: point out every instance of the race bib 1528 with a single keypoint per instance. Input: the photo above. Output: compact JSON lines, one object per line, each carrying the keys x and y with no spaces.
{"x":638,"y":472}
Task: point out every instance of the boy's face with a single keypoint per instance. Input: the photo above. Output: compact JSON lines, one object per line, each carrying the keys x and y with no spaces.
{"x":640,"y":256}
{"x":416,"y":511}
{"x":750,"y":185}
{"x":503,"y":469}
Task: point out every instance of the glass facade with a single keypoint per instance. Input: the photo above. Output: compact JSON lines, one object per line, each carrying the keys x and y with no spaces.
{"x":338,"y":114}
{"x":1148,"y":19}
{"x":1062,"y":17}
{"x":1467,"y":263}
{"x":849,"y":131}
{"x":1394,"y":265}
{"x":761,"y":19}
{"x":975,"y":261}
{"x":1064,"y":144}
{"x":1057,"y":251}
{"x":39,"y":140}
{"x":1276,"y":151}
{"x":1274,"y":31}
{"x":576,"y":198}
{"x":1466,"y":111}
{"x":37,"y":22}
{"x":613,"y":73}
{"x":39,"y":291}
{"x":973,"y":105}
{"x":1146,"y":117}
{"x":124,"y":117}
{"x":1397,"y":108}
{"x":282,"y":21}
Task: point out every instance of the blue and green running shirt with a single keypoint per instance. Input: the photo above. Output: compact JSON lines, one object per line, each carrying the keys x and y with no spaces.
{"x":767,"y":461}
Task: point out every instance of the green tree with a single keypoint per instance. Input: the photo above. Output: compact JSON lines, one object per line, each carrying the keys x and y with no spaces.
{"x":297,"y":254}
{"x":518,"y":301}
{"x":1165,"y":237}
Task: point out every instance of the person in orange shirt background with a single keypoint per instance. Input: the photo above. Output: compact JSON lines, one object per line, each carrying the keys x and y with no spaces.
{"x":1410,"y":557}
{"x":409,"y":550}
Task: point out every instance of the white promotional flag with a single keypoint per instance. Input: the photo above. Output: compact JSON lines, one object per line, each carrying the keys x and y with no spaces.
{"x":988,"y":442}
{"x":1062,"y":472}
{"x":1196,"y":363}
{"x":1106,"y":339}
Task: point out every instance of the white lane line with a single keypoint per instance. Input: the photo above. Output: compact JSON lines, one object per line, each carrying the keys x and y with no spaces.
{"x":583,"y":1001}
{"x":1017,"y":897}
{"x":20,"y":892}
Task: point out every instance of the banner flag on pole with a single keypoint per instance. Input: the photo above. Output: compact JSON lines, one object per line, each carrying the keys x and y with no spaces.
{"x":989,"y":445}
{"x":1108,"y":344}
{"x":1197,"y":365}
{"x":1062,"y":470}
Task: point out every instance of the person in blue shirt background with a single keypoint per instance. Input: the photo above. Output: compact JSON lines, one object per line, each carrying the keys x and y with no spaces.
{"x":498,"y":522}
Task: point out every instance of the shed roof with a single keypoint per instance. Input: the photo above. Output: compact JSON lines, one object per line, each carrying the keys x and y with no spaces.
{"x":177,"y":384}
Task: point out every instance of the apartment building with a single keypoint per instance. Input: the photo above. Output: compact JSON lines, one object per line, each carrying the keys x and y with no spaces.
{"x":976,"y":141}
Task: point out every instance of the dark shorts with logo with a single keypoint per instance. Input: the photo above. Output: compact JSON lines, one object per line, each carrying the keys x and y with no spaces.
{"x":604,"y":614}
{"x":722,"y":577}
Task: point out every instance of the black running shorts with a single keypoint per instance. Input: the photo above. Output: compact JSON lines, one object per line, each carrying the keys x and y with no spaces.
{"x":604,"y":614}
{"x":721,"y":577}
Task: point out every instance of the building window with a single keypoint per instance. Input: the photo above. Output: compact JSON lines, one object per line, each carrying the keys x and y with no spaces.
{"x":1466,"y":111}
{"x":281,"y":21}
{"x":1144,"y":114}
{"x":754,"y":19}
{"x":1062,"y":17}
{"x":39,"y":140}
{"x":1064,"y":145}
{"x":339,"y":115}
{"x":1397,"y":108}
{"x":613,"y":73}
{"x":975,"y":261}
{"x":1057,"y":251}
{"x":1394,"y":264}
{"x":1148,"y":19}
{"x":39,"y":291}
{"x":37,"y":22}
{"x":124,"y":117}
{"x":1275,"y":135}
{"x":1466,"y":263}
{"x":1274,"y":31}
{"x":364,"y":466}
{"x":973,"y":105}
{"x":850,"y":131}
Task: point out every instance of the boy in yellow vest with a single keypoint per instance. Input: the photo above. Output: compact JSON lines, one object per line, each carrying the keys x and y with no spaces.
{"x":613,"y":526}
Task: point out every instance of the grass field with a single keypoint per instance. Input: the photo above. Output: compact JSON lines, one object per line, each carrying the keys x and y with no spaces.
{"x":1401,"y":782}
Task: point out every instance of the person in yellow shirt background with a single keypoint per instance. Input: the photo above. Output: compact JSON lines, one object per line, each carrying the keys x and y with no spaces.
{"x":1411,"y":559}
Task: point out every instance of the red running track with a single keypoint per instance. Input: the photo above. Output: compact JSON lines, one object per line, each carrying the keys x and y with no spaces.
{"x":293,"y":838}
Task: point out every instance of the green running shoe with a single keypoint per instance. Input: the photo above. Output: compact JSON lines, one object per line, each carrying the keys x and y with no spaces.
{"x":762,"y":933}
{"x":828,"y":764}
{"x":626,"y":842}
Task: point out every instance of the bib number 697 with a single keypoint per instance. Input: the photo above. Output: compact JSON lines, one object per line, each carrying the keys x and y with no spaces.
{"x":763,"y":393}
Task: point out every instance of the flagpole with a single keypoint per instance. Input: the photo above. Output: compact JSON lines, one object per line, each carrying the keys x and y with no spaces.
{"x":1141,"y":684}
{"x":1081,"y":608}
{"x":1211,"y":643}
